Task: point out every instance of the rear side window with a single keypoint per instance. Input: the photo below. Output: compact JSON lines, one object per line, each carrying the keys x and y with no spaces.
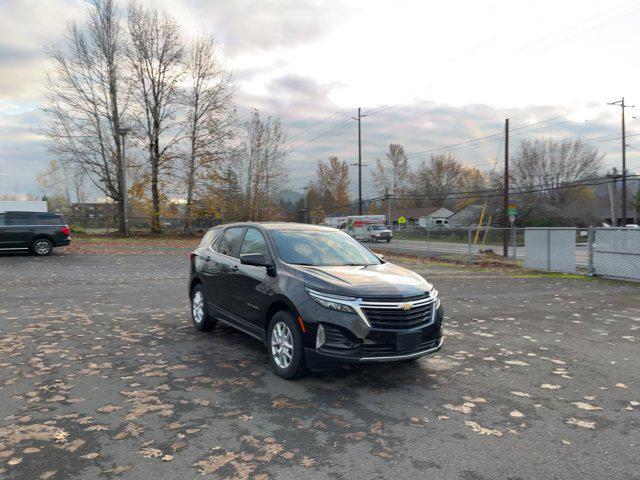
{"x":254,"y":242}
{"x":230,"y":241}
{"x":20,"y":218}
{"x":48,"y":219}
{"x":210,"y":237}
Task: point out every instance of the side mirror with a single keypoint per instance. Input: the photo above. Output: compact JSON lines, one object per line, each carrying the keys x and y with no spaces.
{"x":380,"y":256}
{"x":254,"y":259}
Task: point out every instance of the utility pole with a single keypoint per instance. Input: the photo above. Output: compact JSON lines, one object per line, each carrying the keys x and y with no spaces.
{"x":306,"y":205}
{"x":358,"y":118}
{"x":611,"y":186}
{"x":123,"y":182}
{"x":388,"y":197}
{"x":622,"y":106}
{"x":505,"y":206}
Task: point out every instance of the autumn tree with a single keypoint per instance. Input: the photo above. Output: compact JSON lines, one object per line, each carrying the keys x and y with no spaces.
{"x":392,"y":174}
{"x":155,"y":53}
{"x":332,"y":184}
{"x":86,"y":98}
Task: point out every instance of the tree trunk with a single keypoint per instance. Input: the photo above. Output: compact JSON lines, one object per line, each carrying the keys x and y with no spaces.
{"x":190,"y":187}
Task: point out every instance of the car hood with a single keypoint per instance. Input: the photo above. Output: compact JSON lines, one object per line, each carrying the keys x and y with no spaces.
{"x":384,"y":280}
{"x":380,"y":231}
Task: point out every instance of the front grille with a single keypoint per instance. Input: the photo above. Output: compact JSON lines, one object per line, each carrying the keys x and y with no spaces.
{"x":397,"y":318}
{"x":382,"y":349}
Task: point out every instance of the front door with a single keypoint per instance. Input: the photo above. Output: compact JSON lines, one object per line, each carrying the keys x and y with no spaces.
{"x":255,"y":285}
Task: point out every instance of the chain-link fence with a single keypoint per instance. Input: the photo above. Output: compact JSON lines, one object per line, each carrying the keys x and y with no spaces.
{"x":98,"y":224}
{"x":470,"y":245}
{"x":615,"y":252}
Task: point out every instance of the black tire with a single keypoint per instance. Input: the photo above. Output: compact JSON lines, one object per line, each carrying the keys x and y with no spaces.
{"x":388,"y":240}
{"x":297,"y":366}
{"x":41,"y":247}
{"x":202,"y":322}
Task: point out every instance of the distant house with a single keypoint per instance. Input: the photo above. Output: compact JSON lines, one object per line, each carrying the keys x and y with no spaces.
{"x":94,"y":210}
{"x":468,"y":216}
{"x":422,"y":216}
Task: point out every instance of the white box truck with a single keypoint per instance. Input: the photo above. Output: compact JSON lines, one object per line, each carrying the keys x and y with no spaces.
{"x":23,"y":206}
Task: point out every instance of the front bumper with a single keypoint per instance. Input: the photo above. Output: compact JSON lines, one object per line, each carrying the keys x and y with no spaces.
{"x":318,"y":359}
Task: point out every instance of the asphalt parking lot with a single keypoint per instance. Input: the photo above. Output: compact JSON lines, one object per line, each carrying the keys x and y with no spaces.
{"x":102,"y":375}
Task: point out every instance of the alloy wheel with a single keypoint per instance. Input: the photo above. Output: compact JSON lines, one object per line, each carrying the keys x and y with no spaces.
{"x":197,"y":306}
{"x":282,"y":345}
{"x":42,"y":247}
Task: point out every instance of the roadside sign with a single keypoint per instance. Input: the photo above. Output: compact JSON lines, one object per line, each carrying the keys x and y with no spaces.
{"x":402,"y":220}
{"x":512,"y":210}
{"x":512,"y":219}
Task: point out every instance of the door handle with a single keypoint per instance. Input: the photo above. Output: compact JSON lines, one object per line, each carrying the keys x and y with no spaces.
{"x":234,"y":268}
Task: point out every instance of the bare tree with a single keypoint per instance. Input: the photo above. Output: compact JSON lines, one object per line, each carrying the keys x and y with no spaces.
{"x":439,"y":179}
{"x":210,"y":118}
{"x":545,"y":164}
{"x":264,"y":161}
{"x":86,"y":98}
{"x":392,"y":174}
{"x":155,"y":56}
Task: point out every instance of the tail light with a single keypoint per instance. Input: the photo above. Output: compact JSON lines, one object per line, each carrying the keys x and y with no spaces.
{"x":65,"y":230}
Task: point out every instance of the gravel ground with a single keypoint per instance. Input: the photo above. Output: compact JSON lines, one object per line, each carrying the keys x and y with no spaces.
{"x":102,"y":375}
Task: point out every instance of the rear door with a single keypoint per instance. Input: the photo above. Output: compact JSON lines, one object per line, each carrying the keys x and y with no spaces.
{"x":20,"y":229}
{"x":221,"y":270}
{"x":252,"y":297}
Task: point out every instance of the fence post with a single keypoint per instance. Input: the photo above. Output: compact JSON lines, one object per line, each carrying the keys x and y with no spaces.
{"x":470,"y":232}
{"x":590,"y":247}
{"x":548,"y":249}
{"x":428,"y":239}
{"x":513,"y":239}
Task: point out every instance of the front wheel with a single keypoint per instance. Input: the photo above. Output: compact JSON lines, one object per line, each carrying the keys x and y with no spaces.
{"x":286,"y":351}
{"x":42,"y":247}
{"x":388,"y":240}
{"x":200,"y":311}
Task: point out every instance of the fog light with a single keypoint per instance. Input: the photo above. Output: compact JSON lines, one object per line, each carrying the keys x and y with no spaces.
{"x":320,"y":337}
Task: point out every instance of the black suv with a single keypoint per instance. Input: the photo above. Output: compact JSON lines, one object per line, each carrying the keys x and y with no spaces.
{"x":37,"y":231}
{"x":315,"y":296}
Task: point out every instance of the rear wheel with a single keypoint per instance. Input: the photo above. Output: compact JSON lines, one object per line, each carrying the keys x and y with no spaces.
{"x":200,"y":311}
{"x":42,"y":247}
{"x":286,"y":351}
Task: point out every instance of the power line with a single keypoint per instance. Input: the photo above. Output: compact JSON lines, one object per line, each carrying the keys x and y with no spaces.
{"x":319,"y":122}
{"x":540,"y":40}
{"x":339,"y":126}
{"x":631,"y":12}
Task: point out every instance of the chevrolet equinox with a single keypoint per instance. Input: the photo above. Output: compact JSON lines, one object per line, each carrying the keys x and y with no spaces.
{"x":315,"y":296}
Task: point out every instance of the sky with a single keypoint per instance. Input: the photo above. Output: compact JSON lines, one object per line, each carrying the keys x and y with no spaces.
{"x":427,"y":74}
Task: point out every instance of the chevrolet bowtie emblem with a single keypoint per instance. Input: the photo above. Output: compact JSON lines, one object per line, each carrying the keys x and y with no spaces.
{"x":406,"y":306}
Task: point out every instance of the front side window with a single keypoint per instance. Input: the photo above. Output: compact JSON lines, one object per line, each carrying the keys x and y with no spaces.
{"x":321,"y":248}
{"x":254,"y":242}
{"x":230,"y":241}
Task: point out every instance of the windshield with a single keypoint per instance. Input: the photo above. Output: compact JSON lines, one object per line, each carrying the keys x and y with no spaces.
{"x":378,"y":227}
{"x":320,"y":248}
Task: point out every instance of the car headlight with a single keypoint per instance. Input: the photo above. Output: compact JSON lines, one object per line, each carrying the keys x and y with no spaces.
{"x":434,"y":294}
{"x":334,"y":302}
